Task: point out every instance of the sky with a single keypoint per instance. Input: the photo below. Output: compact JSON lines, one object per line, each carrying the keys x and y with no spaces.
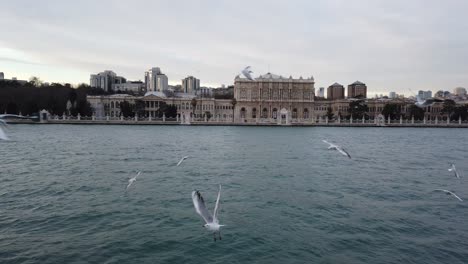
{"x":400,"y":46}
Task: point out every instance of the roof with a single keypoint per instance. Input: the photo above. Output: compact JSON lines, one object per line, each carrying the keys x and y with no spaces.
{"x":158,"y":94}
{"x":336,"y":84}
{"x":358,"y":83}
{"x":120,"y":95}
{"x":270,"y":76}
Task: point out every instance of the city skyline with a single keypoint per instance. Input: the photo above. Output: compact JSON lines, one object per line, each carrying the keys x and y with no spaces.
{"x":389,"y":46}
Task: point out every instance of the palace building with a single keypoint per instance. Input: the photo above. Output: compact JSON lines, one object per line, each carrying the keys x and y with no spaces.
{"x":274,"y":98}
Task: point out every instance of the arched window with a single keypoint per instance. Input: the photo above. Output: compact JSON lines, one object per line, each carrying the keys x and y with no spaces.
{"x":274,"y":114}
{"x":294,"y":113}
{"x":242,"y":112}
{"x":265,"y":113}
{"x":306,"y":113}
{"x":254,"y":113}
{"x":112,"y":104}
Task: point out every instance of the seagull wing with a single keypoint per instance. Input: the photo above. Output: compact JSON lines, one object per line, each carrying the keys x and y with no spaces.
{"x":344,"y":152}
{"x":200,"y":207}
{"x":3,"y":136}
{"x":180,"y":161}
{"x":13,"y":116}
{"x":455,"y":171}
{"x":129,"y":184}
{"x":456,"y":196}
{"x":449,"y":192}
{"x":331,"y":145}
{"x":138,"y":174}
{"x":215,"y":212}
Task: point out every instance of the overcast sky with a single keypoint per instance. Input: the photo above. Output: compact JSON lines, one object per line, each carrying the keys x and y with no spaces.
{"x":389,"y":45}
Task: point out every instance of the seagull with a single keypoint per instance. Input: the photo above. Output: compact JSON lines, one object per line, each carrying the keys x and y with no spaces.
{"x":212,"y":222}
{"x":449,"y":193}
{"x":424,"y":103}
{"x":335,"y":147}
{"x":452,"y":168}
{"x":131,"y":180}
{"x":247,"y":73}
{"x":3,"y":136}
{"x":182,"y":159}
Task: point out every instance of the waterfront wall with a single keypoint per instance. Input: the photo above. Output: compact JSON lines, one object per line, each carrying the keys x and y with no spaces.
{"x":258,"y":122}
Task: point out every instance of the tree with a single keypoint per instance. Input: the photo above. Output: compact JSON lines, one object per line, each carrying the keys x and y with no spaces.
{"x":449,"y":108}
{"x":358,"y":108}
{"x":35,"y":81}
{"x":170,"y":111}
{"x":233,"y":103}
{"x":194,"y":105}
{"x":139,"y":107}
{"x":460,"y":112}
{"x":127,"y":109}
{"x":12,"y":108}
{"x":208,"y":115}
{"x":72,"y":96}
{"x":416,"y":112}
{"x":392,"y":110}
{"x":330,"y":114}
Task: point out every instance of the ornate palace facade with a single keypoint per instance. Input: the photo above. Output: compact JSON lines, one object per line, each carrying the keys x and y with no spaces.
{"x":273,"y":98}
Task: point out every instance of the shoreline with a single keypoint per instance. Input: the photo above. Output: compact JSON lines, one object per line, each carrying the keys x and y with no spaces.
{"x":201,"y":123}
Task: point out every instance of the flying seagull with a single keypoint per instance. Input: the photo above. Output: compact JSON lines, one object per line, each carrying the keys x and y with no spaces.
{"x":452,"y":168}
{"x":212,"y":222}
{"x":131,"y":180}
{"x":338,"y":148}
{"x":247,"y":73}
{"x":3,"y":136}
{"x":424,"y":103}
{"x":449,"y":193}
{"x":182,"y":159}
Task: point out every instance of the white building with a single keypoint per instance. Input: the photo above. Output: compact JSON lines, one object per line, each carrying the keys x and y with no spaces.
{"x":190,"y":85}
{"x":105,"y":80}
{"x":392,"y":95}
{"x":424,"y":94}
{"x":155,"y":80}
{"x":2,"y":76}
{"x":459,"y":91}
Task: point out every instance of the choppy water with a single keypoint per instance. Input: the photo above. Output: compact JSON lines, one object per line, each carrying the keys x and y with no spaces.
{"x":286,"y":198}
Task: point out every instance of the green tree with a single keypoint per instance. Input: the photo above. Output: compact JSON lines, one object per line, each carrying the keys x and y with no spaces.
{"x":194,"y":105}
{"x":358,"y":108}
{"x":416,"y":112}
{"x":35,"y":81}
{"x":139,"y":108}
{"x":170,"y":111}
{"x":72,"y":96}
{"x":449,"y":108}
{"x":330,"y":114}
{"x":233,"y":103}
{"x":460,"y":112}
{"x":392,"y":110}
{"x":127,"y":109}
{"x":208,"y":115}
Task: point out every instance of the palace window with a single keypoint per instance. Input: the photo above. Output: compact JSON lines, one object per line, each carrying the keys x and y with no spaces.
{"x":275,"y":113}
{"x":254,"y":113}
{"x":264,"y":113}
{"x":242,"y":112}
{"x":294,"y":113}
{"x":306,"y":113}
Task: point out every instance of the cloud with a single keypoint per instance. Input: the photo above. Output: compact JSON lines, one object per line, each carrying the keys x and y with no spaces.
{"x":390,"y":45}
